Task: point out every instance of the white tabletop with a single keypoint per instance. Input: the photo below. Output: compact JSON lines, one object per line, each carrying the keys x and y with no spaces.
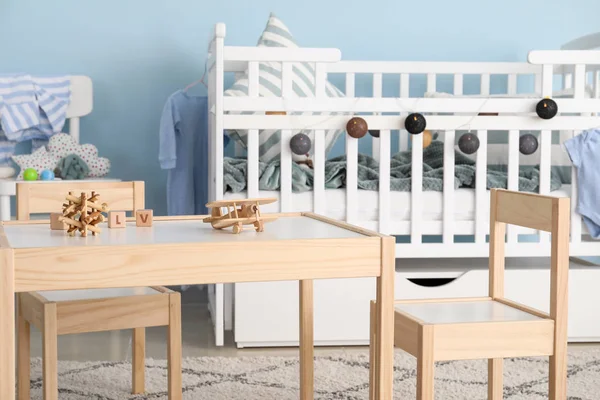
{"x":90,"y":294}
{"x":175,"y":231}
{"x":464,"y":312}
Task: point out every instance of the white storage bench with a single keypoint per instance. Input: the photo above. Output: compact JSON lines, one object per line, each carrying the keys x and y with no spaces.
{"x":265,"y":314}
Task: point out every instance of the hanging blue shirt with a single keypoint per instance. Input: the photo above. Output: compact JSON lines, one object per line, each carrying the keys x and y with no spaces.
{"x":584,"y":151}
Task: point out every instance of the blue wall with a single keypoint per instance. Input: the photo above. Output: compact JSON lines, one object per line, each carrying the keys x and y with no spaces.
{"x":139,"y":52}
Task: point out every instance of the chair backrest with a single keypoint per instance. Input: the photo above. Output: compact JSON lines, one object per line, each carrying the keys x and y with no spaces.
{"x":544,"y":213}
{"x":48,"y":197}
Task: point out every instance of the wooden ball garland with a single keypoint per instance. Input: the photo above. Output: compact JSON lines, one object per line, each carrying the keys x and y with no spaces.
{"x":546,"y":109}
{"x":357,"y":127}
{"x":300,"y":144}
{"x":528,"y":144}
{"x":374,"y":133}
{"x":468,"y":143}
{"x":415,"y":123}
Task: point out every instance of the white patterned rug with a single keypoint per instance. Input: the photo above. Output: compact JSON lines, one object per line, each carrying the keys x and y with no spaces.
{"x":338,"y":376}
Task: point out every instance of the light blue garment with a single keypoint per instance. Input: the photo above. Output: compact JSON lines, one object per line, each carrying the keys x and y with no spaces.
{"x":31,"y":108}
{"x":184,"y":153}
{"x":584,"y":151}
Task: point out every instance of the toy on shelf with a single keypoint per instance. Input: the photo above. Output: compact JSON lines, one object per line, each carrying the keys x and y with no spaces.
{"x":83,"y":214}
{"x":47,"y":175}
{"x":248,"y":213}
{"x":30,"y":174}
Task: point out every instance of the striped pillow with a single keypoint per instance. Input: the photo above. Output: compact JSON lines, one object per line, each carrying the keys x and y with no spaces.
{"x":276,"y":34}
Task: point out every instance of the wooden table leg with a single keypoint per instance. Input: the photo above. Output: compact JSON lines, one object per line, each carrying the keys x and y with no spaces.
{"x":174,"y":347}
{"x":7,"y":325}
{"x":23,"y":355}
{"x":138,"y":361}
{"x":384,"y":368}
{"x":373,"y":352}
{"x":306,"y":341}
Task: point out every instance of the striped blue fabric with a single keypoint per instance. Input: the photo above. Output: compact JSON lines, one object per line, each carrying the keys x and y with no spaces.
{"x":276,"y":34}
{"x":31,"y":108}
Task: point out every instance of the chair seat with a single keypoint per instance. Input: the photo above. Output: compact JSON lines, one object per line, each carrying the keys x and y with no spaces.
{"x":475,"y":329}
{"x":457,"y":312}
{"x":57,"y":296}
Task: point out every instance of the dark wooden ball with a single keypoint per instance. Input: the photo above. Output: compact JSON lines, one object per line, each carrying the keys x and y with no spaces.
{"x":300,"y":144}
{"x":374,"y":133}
{"x":468,"y":143}
{"x":357,"y":127}
{"x":546,"y":109}
{"x":415,"y":123}
{"x":528,"y":144}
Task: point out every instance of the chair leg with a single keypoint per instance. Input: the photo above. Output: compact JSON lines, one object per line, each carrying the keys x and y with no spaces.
{"x":138,"y":351}
{"x":50,"y":352}
{"x":23,"y":355}
{"x":495,"y":378}
{"x":425,"y":364}
{"x":174,"y":347}
{"x":558,"y":374}
{"x":373,"y":353}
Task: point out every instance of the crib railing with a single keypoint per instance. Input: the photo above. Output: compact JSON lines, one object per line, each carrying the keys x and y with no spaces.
{"x":386,"y":114}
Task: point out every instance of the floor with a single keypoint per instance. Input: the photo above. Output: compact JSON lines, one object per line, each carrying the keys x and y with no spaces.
{"x":198,"y":339}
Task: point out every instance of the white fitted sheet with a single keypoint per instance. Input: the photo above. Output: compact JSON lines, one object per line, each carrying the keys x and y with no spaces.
{"x":368,"y":203}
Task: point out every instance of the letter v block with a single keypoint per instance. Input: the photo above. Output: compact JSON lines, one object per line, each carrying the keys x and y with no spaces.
{"x":143,"y":218}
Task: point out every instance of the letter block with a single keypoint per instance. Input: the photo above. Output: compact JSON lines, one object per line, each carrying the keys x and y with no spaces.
{"x":116,"y":219}
{"x":143,"y":218}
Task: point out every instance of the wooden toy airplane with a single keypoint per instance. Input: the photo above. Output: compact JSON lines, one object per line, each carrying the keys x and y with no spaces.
{"x":248,"y":213}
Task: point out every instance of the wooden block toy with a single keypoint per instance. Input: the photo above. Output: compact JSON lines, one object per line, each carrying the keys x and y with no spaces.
{"x":83,"y":213}
{"x":116,"y":219}
{"x":143,"y":218}
{"x":56,"y":224}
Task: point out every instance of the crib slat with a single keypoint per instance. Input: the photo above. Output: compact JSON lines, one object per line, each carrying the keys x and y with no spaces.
{"x":485,"y":84}
{"x":579,"y":93}
{"x":404,"y":93}
{"x":377,"y":93}
{"x":384,"y":180}
{"x":319,"y":170}
{"x":253,"y":79}
{"x":252,"y":163}
{"x":513,"y":175}
{"x":253,"y":138}
{"x":319,"y":145}
{"x":512,"y":84}
{"x":458,"y":84}
{"x":448,"y":210}
{"x":351,"y":163}
{"x":350,"y":84}
{"x":285,"y":202}
{"x":431,"y":82}
{"x":351,"y":178}
{"x":596,"y":84}
{"x":286,"y":171}
{"x":481,"y":199}
{"x":546,"y":142}
{"x":416,"y":189}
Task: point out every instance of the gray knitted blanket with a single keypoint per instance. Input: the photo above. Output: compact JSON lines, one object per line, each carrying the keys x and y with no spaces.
{"x":400,"y":173}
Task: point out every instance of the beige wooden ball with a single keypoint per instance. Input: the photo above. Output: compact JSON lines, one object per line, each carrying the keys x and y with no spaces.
{"x":427,"y":138}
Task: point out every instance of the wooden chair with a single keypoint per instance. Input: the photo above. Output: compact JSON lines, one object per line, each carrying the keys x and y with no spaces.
{"x":494,"y":327}
{"x":77,"y":311}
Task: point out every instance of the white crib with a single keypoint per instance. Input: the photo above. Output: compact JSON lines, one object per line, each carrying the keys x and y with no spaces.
{"x":265,"y":312}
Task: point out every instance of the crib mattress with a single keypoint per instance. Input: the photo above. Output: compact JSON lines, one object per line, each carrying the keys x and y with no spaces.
{"x":368,"y":203}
